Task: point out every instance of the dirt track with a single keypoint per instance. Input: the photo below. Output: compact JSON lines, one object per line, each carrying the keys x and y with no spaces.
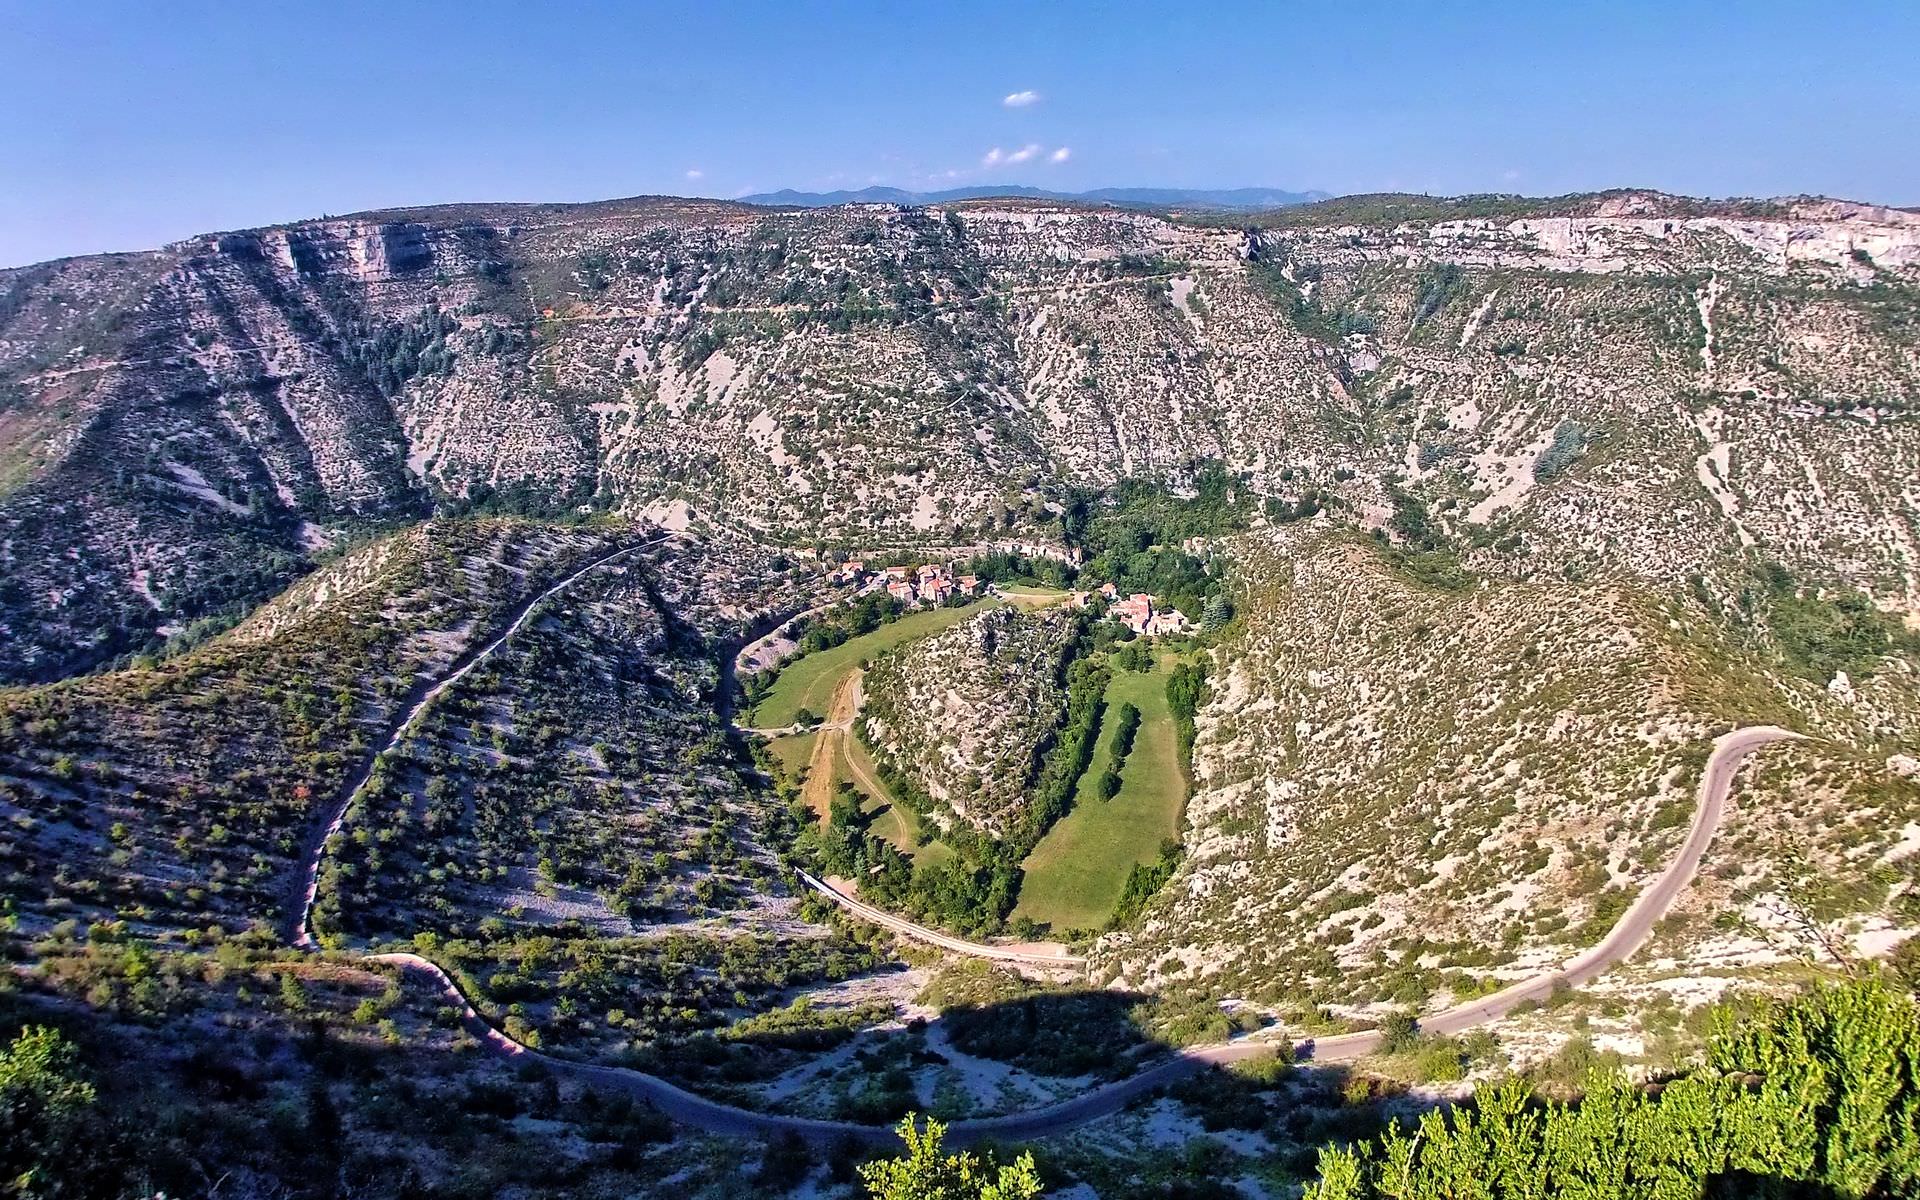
{"x":822,"y":770}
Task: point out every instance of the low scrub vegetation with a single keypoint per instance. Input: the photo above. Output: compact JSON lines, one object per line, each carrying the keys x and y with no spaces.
{"x":1821,"y":631}
{"x":1814,"y":1097}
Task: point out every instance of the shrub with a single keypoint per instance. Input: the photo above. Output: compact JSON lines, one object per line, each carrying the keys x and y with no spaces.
{"x":924,"y":1173}
{"x":1811,"y":1097}
{"x":48,"y":1125}
{"x":1568,"y":444}
{"x":1398,"y":1033}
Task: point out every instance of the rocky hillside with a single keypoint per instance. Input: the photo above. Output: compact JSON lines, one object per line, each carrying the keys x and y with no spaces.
{"x":966,"y":713}
{"x":178,"y":794}
{"x":1405,"y":791}
{"x":1627,"y":383}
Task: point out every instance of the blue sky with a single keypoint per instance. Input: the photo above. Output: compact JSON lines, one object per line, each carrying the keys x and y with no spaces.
{"x":124,"y":125}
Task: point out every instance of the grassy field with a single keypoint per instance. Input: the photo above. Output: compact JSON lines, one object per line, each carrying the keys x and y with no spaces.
{"x":1033,"y":595}
{"x":1074,"y":877}
{"x":793,"y":752}
{"x":893,"y":824}
{"x":890,"y":823}
{"x":809,"y":681}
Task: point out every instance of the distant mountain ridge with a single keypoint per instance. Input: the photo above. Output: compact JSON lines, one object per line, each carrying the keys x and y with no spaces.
{"x":1234,"y":198}
{"x":186,"y":427}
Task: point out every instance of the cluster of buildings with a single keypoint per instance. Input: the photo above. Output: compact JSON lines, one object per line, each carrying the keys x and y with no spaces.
{"x":1137,"y":612}
{"x":935,"y":584}
{"x":928,"y":583}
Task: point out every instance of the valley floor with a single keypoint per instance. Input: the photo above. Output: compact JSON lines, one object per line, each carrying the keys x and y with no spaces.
{"x":1075,"y":876}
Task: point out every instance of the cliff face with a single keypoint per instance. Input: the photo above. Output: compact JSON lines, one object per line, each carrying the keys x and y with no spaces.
{"x":184,"y":428}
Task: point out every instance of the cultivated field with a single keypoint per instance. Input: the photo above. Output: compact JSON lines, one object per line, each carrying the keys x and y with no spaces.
{"x":1032,"y":595}
{"x":1075,"y":876}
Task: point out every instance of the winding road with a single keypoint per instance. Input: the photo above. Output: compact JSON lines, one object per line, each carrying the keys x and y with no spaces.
{"x":1037,"y":954}
{"x":747,"y":658}
{"x":698,"y":1112}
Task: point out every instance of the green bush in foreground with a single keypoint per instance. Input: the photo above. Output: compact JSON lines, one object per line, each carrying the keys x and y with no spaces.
{"x":47,"y":1118}
{"x":926,"y":1174}
{"x":1817,"y":1097}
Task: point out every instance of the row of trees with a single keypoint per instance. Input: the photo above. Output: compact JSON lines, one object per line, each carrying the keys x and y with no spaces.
{"x":1066,"y":761}
{"x":1126,"y":722}
{"x":1186,"y":692}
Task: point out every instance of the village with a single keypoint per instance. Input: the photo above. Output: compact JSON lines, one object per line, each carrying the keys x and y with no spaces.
{"x":1137,"y":612}
{"x":934,"y":584}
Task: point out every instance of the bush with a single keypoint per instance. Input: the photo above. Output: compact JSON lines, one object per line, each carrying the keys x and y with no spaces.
{"x":1398,"y":1033}
{"x":1440,"y":1060}
{"x":1568,"y":444}
{"x":50,"y":1135}
{"x":1439,"y":569}
{"x":924,"y":1173}
{"x":1813,"y":1097}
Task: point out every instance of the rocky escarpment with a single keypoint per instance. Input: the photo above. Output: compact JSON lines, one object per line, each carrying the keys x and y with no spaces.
{"x":1633,"y":383}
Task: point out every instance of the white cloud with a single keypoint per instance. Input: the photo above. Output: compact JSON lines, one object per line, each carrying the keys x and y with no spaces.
{"x":1022,"y":99}
{"x":1061,"y":155}
{"x":1024,"y":153}
{"x":992,"y":157}
{"x":695,"y":173}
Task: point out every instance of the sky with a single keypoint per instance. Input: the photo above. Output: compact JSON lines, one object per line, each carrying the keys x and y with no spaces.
{"x":124,"y":125}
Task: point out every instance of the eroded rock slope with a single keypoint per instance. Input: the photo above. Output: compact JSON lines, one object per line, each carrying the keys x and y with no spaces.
{"x":1619,"y":383}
